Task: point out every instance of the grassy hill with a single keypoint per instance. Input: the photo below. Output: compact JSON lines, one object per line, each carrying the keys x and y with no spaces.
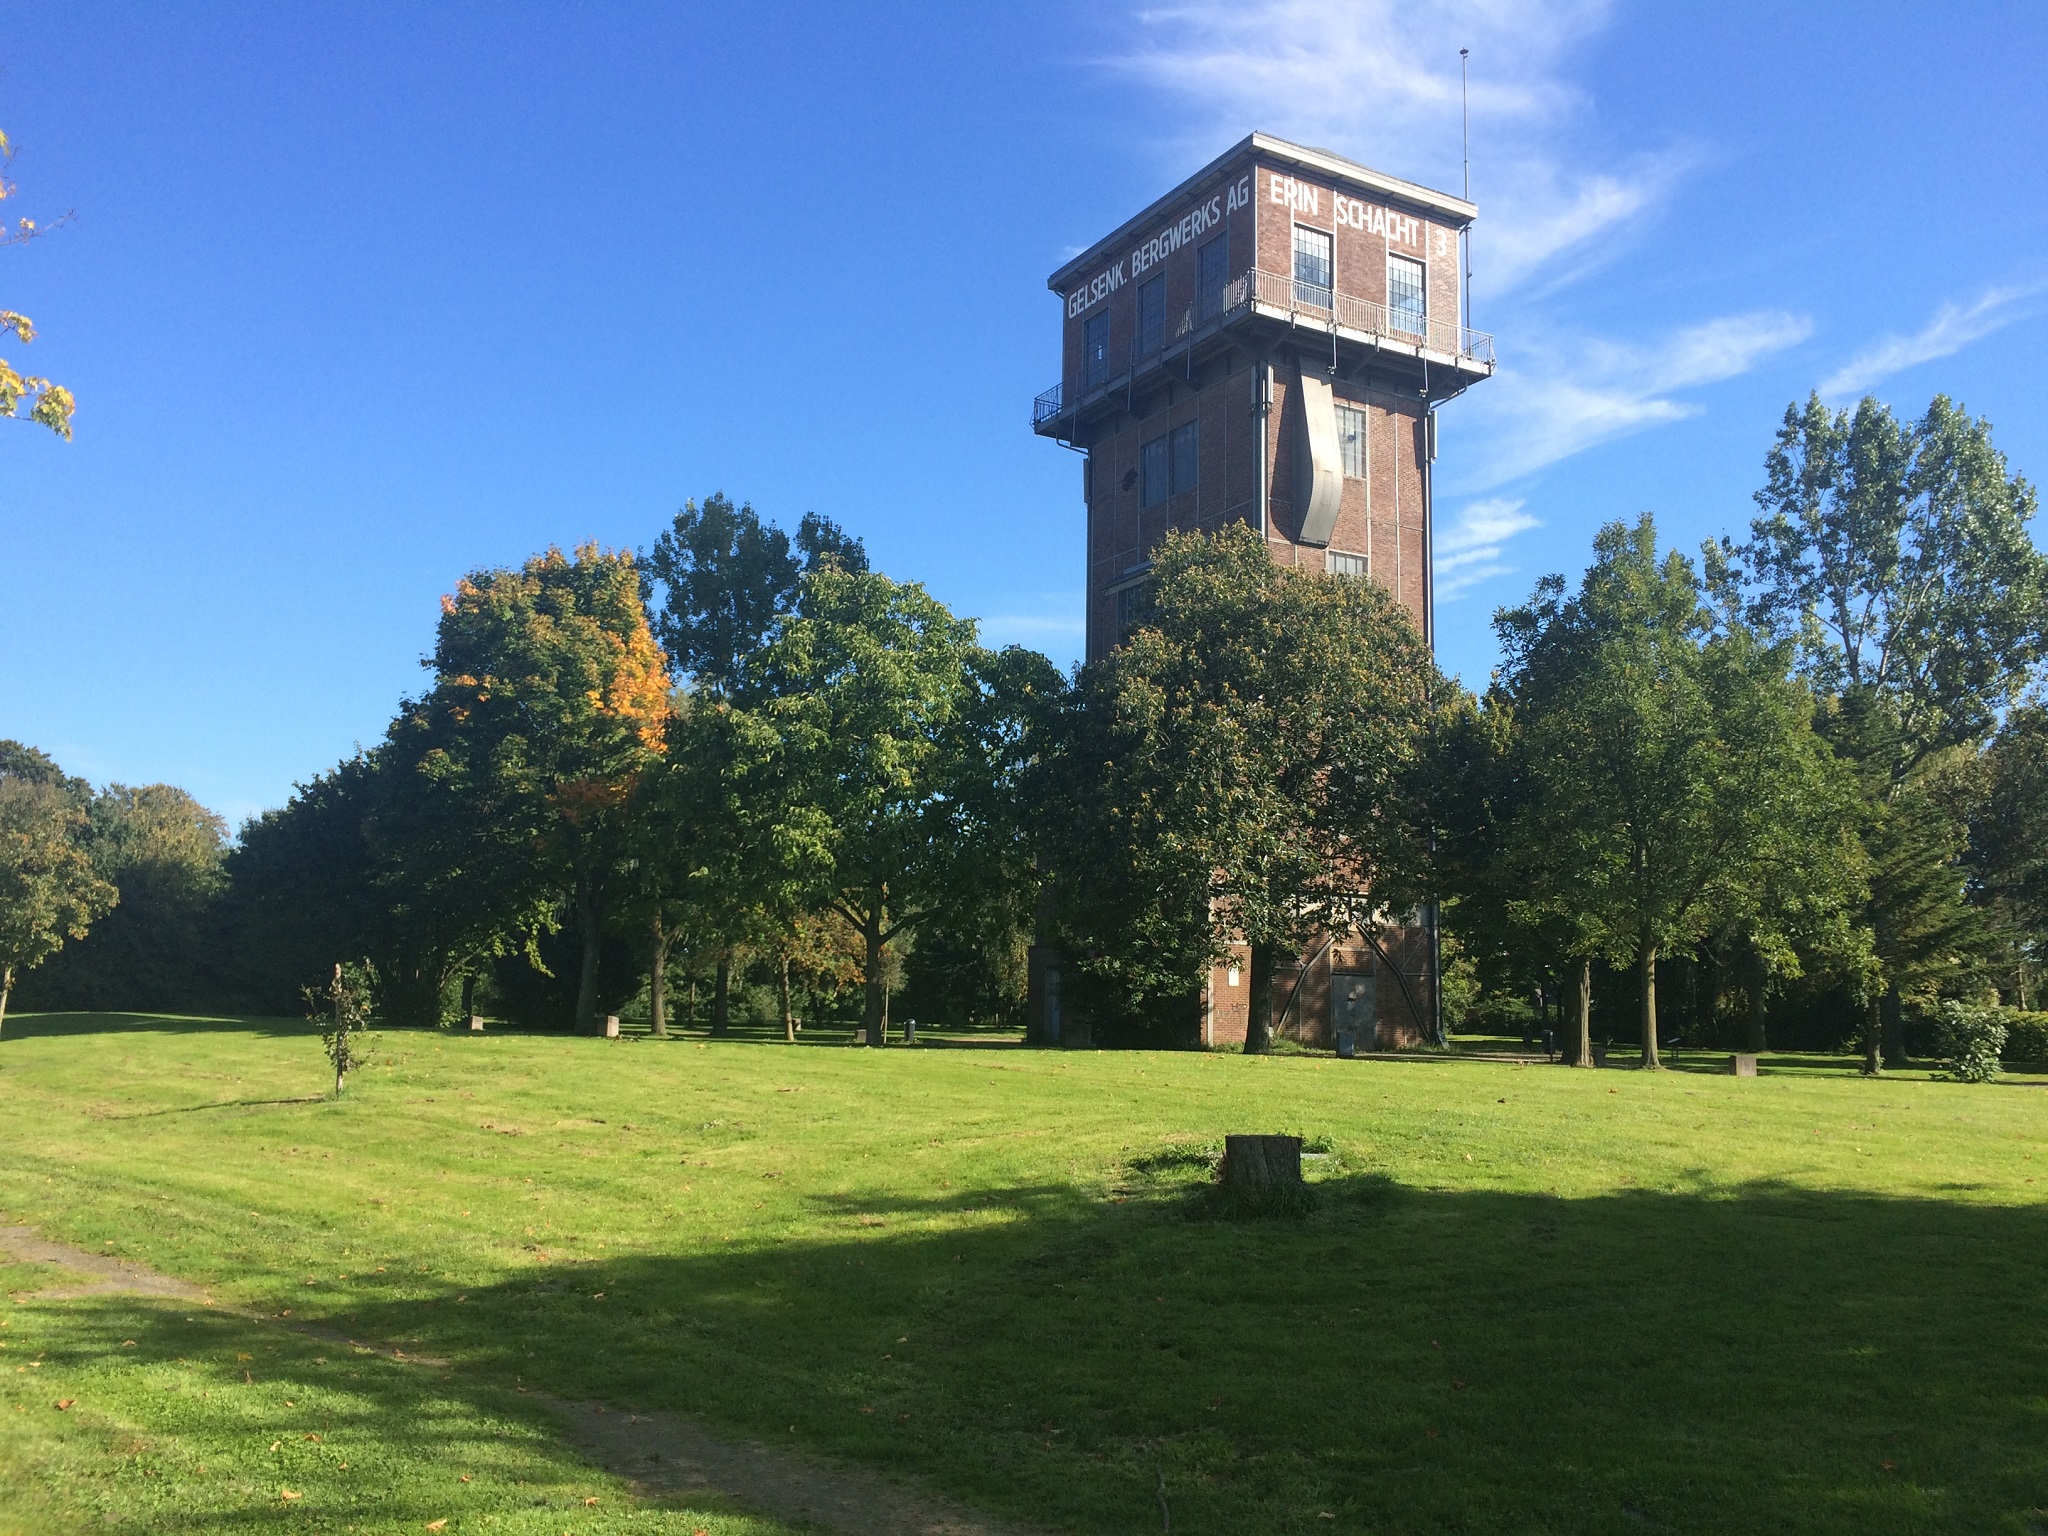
{"x":1526,"y":1298}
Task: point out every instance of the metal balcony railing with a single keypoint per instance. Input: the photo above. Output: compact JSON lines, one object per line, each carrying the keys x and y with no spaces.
{"x":1395,"y":323}
{"x":1302,"y":302}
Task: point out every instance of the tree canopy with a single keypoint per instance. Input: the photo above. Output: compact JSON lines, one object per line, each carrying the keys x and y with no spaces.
{"x":1235,"y":769}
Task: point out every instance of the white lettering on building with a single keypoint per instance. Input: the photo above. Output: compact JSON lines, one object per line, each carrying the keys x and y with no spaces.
{"x":1191,"y":226}
{"x":1097,"y":288}
{"x":1294,"y":196}
{"x":1284,"y":191}
{"x":1375,"y":219}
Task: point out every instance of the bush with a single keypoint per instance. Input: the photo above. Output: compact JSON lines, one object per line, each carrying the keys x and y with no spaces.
{"x":1971,"y":1038}
{"x":2026,"y":1035}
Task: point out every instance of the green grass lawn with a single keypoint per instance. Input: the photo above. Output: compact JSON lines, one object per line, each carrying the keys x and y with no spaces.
{"x":1526,"y":1298}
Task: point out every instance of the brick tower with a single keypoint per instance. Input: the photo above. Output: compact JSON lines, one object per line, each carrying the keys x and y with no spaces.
{"x":1268,"y":344}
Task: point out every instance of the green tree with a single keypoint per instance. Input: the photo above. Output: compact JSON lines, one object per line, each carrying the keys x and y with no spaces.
{"x":730,"y":847}
{"x":725,"y":580}
{"x":1896,"y":557}
{"x":1480,"y":788}
{"x":49,"y":405}
{"x":163,"y":851}
{"x":49,"y":890}
{"x":1238,"y":772}
{"x":301,"y":888}
{"x":1674,"y":765}
{"x":2008,"y":821}
{"x":865,"y":690}
{"x":550,"y":699}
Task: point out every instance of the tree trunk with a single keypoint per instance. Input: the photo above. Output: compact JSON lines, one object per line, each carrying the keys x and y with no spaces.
{"x":657,"y":982}
{"x":340,"y":1038}
{"x":586,"y":982}
{"x":1646,"y":975}
{"x":1261,"y":1171}
{"x":1873,"y":1040}
{"x":1582,"y":1021}
{"x":1258,"y":1025}
{"x":468,"y":999}
{"x":1893,"y":1014}
{"x":788,"y":1023}
{"x":6,"y":991}
{"x":721,"y":997}
{"x":1759,"y":984}
{"x":877,"y":1020}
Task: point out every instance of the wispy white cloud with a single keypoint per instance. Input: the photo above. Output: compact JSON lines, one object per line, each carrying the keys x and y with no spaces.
{"x":1953,"y":327}
{"x":1378,"y":80}
{"x":1470,"y":550}
{"x":1547,"y":410}
{"x":1060,"y":621}
{"x":1723,"y":349}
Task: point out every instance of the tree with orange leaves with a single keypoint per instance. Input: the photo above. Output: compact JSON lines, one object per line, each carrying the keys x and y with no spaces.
{"x":550,"y":701}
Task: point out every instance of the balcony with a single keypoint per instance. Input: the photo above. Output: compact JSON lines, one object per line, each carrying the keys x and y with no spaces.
{"x":1275,"y":296}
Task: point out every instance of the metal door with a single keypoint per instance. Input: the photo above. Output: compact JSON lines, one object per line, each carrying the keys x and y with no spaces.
{"x":1354,"y":1006}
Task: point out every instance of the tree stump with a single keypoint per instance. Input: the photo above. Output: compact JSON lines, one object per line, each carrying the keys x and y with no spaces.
{"x":1262,"y":1172}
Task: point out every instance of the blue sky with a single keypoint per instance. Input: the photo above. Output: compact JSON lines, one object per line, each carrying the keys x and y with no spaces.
{"x":359,"y":298}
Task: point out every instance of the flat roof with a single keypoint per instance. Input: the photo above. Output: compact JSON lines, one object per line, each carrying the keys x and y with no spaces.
{"x":1455,"y":209}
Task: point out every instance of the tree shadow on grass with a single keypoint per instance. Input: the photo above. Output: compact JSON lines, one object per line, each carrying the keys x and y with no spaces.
{"x":1761,"y":1357}
{"x":52,"y":1025}
{"x":187,"y":1420}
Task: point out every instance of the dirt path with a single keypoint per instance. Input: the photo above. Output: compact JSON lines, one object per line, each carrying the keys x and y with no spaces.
{"x":660,"y":1453}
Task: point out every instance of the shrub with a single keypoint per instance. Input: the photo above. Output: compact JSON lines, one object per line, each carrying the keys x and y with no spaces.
{"x":1971,"y":1038}
{"x":2026,"y":1035}
{"x":342,"y":1010}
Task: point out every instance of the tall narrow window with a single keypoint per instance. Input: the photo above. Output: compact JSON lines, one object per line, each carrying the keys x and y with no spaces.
{"x":1155,"y":472}
{"x":1133,"y":607}
{"x":1095,"y":349}
{"x":1152,"y":316}
{"x":1351,"y":438}
{"x":1185,"y":454}
{"x":1212,"y":273}
{"x":1311,"y":267}
{"x":1407,"y":297}
{"x":1170,"y":464}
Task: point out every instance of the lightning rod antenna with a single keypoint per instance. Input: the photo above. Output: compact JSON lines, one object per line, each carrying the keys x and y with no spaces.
{"x":1465,"y":116}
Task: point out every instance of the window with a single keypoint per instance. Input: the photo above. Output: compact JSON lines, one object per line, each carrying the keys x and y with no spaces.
{"x":1170,"y":464}
{"x":1095,"y":349}
{"x":1133,"y":607}
{"x":1154,"y":467}
{"x":1338,"y":563}
{"x":1185,"y":455}
{"x":1212,"y":275}
{"x":1311,"y":267}
{"x":1351,"y":437}
{"x":1152,"y":316}
{"x":1407,"y":301}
